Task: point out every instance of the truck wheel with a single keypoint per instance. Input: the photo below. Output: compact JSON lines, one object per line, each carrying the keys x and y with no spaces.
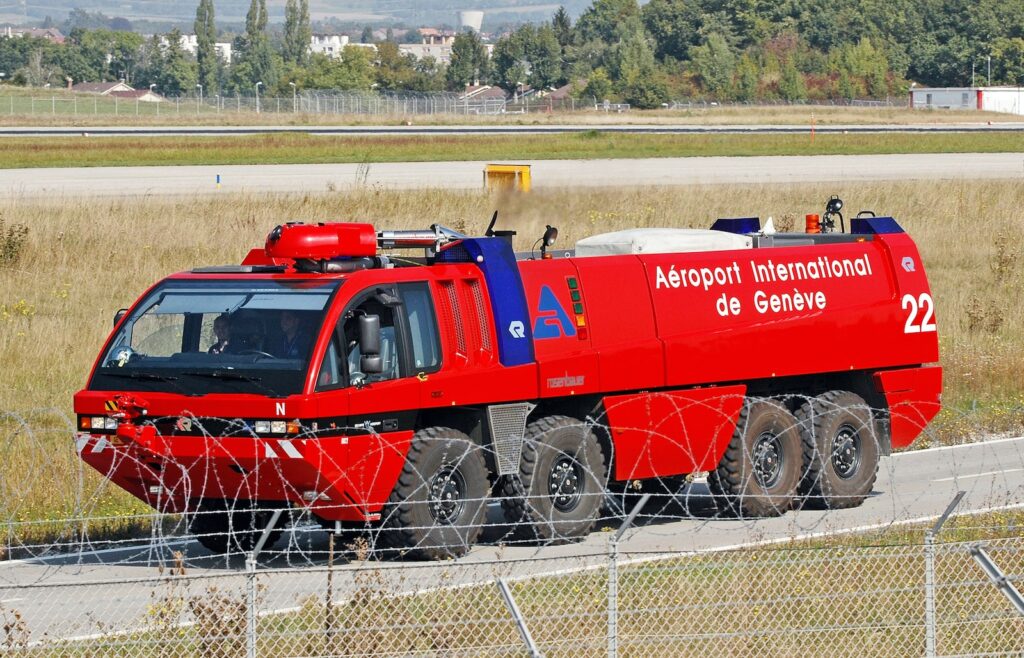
{"x":225,"y":527}
{"x":760,"y":470}
{"x":840,"y":449}
{"x":437,"y":508}
{"x":561,"y":483}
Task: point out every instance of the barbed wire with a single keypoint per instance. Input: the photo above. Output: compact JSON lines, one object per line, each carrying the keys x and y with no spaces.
{"x":724,"y":561}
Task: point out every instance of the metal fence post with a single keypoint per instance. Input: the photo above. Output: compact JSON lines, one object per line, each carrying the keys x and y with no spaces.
{"x":613,"y":576}
{"x":929,"y":577}
{"x":250,"y":586}
{"x":517,"y":616}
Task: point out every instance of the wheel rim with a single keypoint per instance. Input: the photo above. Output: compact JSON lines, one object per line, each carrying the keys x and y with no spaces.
{"x":846,"y":452}
{"x":768,"y":460}
{"x":565,"y":483}
{"x":447,"y":495}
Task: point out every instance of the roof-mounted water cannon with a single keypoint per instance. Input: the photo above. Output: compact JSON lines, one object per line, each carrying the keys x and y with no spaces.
{"x":435,"y":239}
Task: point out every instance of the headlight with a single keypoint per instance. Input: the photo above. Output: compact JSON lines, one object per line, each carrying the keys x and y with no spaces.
{"x":262,"y":426}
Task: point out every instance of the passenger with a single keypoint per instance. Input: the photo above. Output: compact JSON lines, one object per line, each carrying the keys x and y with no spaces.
{"x":221,"y":334}
{"x":294,"y":340}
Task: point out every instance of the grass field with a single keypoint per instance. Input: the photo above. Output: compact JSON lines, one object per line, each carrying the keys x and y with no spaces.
{"x":17,"y":152}
{"x":83,"y":259}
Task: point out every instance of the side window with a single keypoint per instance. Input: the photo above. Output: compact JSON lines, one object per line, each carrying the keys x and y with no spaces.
{"x":388,"y":342}
{"x":418,"y":307}
{"x":331,"y":374}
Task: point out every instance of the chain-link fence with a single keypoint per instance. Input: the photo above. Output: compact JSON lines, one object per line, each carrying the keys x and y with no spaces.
{"x":849,"y":601}
{"x":355,"y":103}
{"x":399,"y":104}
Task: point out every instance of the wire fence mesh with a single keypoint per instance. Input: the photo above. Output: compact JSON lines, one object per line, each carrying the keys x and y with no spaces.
{"x":662,"y":567}
{"x":360,"y":103}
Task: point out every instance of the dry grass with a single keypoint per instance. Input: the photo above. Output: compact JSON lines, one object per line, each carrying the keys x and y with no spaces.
{"x":83,"y":259}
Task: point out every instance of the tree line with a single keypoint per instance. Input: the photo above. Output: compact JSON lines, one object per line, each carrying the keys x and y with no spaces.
{"x":744,"y":50}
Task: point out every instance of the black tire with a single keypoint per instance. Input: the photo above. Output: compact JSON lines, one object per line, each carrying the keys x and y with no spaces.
{"x":225,"y":527}
{"x":761,"y":468}
{"x":437,"y":508}
{"x":561,"y":484}
{"x":840,"y":449}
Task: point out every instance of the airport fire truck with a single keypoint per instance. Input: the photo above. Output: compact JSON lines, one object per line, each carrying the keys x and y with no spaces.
{"x":332,"y":372}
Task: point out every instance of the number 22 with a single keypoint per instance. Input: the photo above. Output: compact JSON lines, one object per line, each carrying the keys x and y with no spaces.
{"x":923,"y":303}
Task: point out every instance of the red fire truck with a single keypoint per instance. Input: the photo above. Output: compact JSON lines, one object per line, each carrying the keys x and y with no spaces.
{"x":402,"y":393}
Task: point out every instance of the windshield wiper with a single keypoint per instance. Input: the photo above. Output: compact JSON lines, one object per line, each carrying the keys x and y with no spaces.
{"x":225,"y":374}
{"x":142,"y":375}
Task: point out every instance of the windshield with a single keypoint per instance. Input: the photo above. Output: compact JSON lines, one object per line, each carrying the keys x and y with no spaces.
{"x":218,"y":336}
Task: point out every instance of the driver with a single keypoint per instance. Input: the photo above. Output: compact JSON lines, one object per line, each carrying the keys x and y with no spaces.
{"x":293,"y":343}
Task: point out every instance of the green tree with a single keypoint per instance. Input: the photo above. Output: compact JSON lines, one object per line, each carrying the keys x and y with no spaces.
{"x":791,"y":83}
{"x":297,"y":32}
{"x":675,"y":26}
{"x":367,"y":35}
{"x":207,"y":60}
{"x":394,"y":70}
{"x":747,"y":78}
{"x":353,"y":70}
{"x":598,"y":87}
{"x":601,"y":21}
{"x":177,"y":75}
{"x":562,"y":25}
{"x":469,"y":61}
{"x":255,"y":61}
{"x":715,"y":63}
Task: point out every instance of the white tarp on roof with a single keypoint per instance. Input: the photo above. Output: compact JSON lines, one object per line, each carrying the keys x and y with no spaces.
{"x":660,"y":241}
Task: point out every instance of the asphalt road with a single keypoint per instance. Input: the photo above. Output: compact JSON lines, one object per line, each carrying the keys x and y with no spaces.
{"x":79,"y":594}
{"x":195,"y":180}
{"x":511,"y":129}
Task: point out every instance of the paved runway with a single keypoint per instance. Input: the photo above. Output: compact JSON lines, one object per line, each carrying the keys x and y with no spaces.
{"x":192,"y":180}
{"x":69,"y":592}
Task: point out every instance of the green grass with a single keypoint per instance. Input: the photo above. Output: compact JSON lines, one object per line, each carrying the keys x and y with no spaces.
{"x":81,"y":151}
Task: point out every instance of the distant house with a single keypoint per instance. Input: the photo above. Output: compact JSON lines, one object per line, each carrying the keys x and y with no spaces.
{"x":563,"y":92}
{"x":143,"y":95}
{"x":101,"y":88}
{"x":50,"y":33}
{"x":483,"y":92}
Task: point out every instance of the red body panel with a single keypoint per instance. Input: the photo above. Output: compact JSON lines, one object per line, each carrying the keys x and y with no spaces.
{"x":914,"y":396}
{"x":672,"y":432}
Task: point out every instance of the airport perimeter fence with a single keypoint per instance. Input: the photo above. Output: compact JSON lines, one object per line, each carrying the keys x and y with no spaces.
{"x":668,"y":569}
{"x":933,"y":599}
{"x":395,"y":104}
{"x":398,"y":104}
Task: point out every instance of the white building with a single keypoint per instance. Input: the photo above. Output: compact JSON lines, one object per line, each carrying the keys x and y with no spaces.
{"x":1009,"y":100}
{"x":328,"y":44}
{"x":442,"y":52}
{"x":190,"y":43}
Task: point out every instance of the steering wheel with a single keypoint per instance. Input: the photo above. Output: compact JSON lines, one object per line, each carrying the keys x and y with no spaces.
{"x":256,"y":352}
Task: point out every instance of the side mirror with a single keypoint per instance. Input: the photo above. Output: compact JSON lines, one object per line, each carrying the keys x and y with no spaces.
{"x":120,"y":314}
{"x":370,"y":362}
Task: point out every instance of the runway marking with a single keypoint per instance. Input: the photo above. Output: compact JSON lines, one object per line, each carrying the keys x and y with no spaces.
{"x":978,"y":475}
